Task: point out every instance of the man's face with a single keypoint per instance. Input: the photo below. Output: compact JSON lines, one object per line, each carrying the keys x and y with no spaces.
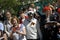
{"x":22,"y":15}
{"x":32,"y":5}
{"x":8,"y":15}
{"x":48,"y":13}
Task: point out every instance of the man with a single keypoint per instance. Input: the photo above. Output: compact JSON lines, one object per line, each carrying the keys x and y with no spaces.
{"x":32,"y":28}
{"x":7,"y":23}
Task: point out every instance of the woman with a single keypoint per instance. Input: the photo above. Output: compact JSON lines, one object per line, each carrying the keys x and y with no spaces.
{"x":18,"y":30}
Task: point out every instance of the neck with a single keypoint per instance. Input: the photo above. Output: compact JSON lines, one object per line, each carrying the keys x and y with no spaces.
{"x":9,"y":18}
{"x":23,"y":18}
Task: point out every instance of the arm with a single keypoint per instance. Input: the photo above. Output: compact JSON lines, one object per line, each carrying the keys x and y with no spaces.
{"x":5,"y":27}
{"x":6,"y":30}
{"x":58,"y":24}
{"x":5,"y":37}
{"x":11,"y":35}
{"x":23,"y":32}
{"x":1,"y":38}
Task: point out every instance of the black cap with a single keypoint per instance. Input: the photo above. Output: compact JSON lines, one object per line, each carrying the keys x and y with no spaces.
{"x":30,"y":14}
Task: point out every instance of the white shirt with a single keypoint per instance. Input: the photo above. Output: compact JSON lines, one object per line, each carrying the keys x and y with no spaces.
{"x":33,"y":32}
{"x":31,"y":29}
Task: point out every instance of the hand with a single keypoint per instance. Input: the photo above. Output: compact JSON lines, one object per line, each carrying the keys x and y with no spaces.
{"x":17,"y":31}
{"x":58,"y":24}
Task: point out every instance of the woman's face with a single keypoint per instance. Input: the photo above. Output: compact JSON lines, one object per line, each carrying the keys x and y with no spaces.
{"x":14,"y":21}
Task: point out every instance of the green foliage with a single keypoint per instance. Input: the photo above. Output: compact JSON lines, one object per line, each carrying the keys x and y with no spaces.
{"x":10,"y":4}
{"x":14,"y":5}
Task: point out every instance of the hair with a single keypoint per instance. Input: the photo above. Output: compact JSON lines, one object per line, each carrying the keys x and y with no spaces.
{"x":7,"y":11}
{"x":14,"y":17}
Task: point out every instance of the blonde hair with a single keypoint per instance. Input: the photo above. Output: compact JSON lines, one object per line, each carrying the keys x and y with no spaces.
{"x":14,"y":17}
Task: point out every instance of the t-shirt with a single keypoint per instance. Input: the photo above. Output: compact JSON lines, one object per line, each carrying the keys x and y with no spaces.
{"x":21,"y":30}
{"x":1,"y":26}
{"x":31,"y":29}
{"x":19,"y":36}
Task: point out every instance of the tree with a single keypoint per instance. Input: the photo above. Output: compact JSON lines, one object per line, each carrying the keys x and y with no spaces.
{"x":10,"y":4}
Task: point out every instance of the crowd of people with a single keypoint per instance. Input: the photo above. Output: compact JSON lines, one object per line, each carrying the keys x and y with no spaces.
{"x":30,"y":24}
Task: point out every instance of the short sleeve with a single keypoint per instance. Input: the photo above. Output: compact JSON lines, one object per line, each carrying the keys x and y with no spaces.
{"x":1,"y":26}
{"x":23,"y":26}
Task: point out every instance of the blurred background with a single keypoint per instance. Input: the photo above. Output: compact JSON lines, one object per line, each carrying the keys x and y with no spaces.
{"x":15,"y":5}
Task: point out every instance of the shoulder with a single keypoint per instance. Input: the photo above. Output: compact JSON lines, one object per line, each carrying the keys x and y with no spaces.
{"x":34,"y":19}
{"x":21,"y":25}
{"x":5,"y":22}
{"x":1,"y":23}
